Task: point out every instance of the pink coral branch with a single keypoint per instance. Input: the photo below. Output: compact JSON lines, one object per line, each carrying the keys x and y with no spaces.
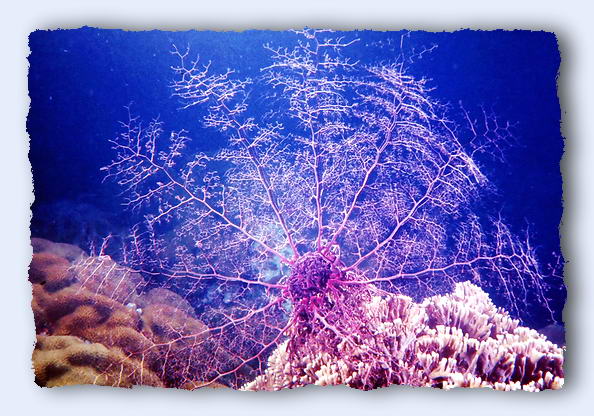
{"x":306,"y":227}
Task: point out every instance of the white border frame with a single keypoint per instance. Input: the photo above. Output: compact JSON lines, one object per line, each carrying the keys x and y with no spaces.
{"x":570,"y":20}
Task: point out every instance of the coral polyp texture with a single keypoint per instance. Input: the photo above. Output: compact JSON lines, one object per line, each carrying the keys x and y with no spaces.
{"x":346,"y":229}
{"x":456,"y":340}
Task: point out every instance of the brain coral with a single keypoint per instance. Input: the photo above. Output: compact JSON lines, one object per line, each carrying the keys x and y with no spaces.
{"x":64,"y":360}
{"x":93,"y":322}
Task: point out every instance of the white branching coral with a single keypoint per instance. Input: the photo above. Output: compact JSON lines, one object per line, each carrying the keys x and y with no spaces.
{"x":456,"y":340}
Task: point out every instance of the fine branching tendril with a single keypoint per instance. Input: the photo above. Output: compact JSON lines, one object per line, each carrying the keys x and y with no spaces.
{"x":355,"y":177}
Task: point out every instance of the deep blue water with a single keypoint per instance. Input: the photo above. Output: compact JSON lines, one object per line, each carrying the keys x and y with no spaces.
{"x":81,"y":80}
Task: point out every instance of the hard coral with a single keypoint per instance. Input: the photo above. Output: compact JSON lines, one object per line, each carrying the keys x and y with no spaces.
{"x":87,"y":310}
{"x":51,"y":271}
{"x":457,"y":340}
{"x":165,"y":297}
{"x":66,"y":360}
{"x":68,"y":251}
{"x":104,"y":276}
{"x":355,"y":187}
{"x":360,"y":337}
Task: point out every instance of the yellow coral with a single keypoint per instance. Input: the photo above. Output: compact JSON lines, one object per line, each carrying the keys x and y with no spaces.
{"x":66,"y":360}
{"x":95,"y":302}
{"x":50,"y":271}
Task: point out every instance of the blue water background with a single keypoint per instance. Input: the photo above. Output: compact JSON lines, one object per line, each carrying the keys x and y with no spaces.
{"x":81,"y":80}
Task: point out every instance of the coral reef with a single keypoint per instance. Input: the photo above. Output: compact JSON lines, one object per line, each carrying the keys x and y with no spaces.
{"x":352,"y":176}
{"x":337,"y":238}
{"x":64,"y":360}
{"x":456,"y":340}
{"x":95,"y":326}
{"x":68,"y":251}
{"x":102,"y":275}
